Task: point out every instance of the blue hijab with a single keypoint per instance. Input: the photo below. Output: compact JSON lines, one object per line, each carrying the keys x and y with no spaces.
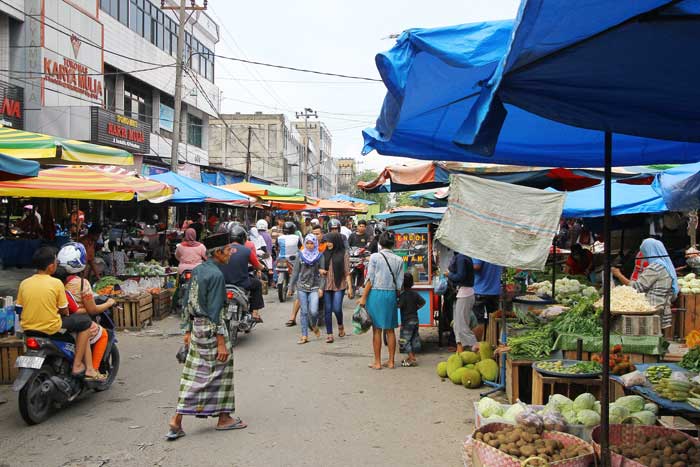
{"x":310,"y":257}
{"x":655,"y":252}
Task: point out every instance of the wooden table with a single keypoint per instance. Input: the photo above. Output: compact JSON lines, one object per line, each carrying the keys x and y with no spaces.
{"x":539,"y":395}
{"x":514,"y":368}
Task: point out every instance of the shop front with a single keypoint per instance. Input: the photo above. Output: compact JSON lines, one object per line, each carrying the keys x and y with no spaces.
{"x":11,"y":106}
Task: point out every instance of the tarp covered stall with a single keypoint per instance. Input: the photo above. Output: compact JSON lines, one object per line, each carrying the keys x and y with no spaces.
{"x":259,"y":190}
{"x":27,"y":145}
{"x":351,"y":199}
{"x":680,"y":187}
{"x":192,"y":191}
{"x":12,"y":168}
{"x":626,"y":199}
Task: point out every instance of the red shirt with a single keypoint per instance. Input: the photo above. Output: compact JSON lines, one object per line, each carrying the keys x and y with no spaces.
{"x":253,"y":258}
{"x":639,"y":266}
{"x":579,"y":267}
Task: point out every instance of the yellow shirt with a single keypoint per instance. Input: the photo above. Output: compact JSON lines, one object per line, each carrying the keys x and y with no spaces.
{"x":40,"y":297}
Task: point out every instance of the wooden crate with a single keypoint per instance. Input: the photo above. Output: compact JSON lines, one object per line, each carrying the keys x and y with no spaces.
{"x":518,"y":380}
{"x":162,"y":303}
{"x":10,"y":349}
{"x":545,"y":386}
{"x":134,"y":314}
{"x":691,"y":304}
{"x":636,"y":325}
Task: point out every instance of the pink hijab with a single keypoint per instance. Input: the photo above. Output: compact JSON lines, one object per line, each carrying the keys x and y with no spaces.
{"x":190,"y":238}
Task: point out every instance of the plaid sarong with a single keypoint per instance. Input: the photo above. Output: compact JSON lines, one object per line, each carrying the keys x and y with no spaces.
{"x":206,"y":385}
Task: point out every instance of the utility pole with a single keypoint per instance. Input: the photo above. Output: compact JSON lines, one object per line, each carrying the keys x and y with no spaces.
{"x":247,"y":157}
{"x":304,"y":179}
{"x":177,"y":125}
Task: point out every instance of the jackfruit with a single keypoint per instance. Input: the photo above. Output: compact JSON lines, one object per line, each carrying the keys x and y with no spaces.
{"x":453,"y":363}
{"x":488,"y":369}
{"x":441,"y":369}
{"x":485,"y":350}
{"x":469,"y":357}
{"x":471,"y":378}
{"x":456,"y":376}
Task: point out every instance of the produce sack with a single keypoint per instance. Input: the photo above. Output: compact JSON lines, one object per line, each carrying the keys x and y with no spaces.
{"x":362,"y":319}
{"x":484,"y":455}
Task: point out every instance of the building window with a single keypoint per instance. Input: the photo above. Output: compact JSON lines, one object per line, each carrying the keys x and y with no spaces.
{"x":117,"y":9}
{"x":138,"y":101}
{"x":167,"y":112}
{"x":194,"y":131}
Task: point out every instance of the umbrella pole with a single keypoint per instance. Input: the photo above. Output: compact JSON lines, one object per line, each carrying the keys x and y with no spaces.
{"x":607,"y":285}
{"x":554,"y":266}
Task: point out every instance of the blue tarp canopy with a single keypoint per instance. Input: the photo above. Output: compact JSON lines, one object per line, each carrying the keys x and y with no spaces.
{"x":12,"y":168}
{"x":350,"y":199}
{"x":680,"y":187}
{"x":437,"y":78}
{"x":625,"y":67}
{"x":626,"y":199}
{"x":192,"y":191}
{"x":415,"y":214}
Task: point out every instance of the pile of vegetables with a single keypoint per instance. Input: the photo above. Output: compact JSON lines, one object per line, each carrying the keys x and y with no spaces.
{"x":657,"y":372}
{"x":524,"y":442}
{"x":620,"y":363}
{"x":534,"y":345}
{"x":689,"y":284}
{"x":581,"y":319}
{"x":691,"y":360}
{"x":146,"y":270}
{"x":625,"y":298}
{"x":568,"y":290}
{"x":107,"y":286}
{"x":677,"y":450}
{"x":558,"y":366}
{"x":674,"y":389}
{"x":470,"y":368}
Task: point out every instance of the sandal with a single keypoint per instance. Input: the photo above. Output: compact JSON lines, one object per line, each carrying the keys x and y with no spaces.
{"x":329,"y":339}
{"x":409,"y":363}
{"x":236,"y":425}
{"x":316,"y":331}
{"x":174,"y":433}
{"x":290,"y":323}
{"x":341,"y":331}
{"x":303,"y":340}
{"x":99,"y":377}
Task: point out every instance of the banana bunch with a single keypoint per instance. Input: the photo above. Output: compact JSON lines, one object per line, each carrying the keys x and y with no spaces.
{"x":677,"y":391}
{"x":657,"y":372}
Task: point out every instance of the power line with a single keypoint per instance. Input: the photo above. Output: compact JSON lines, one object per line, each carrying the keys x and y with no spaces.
{"x":109,"y":73}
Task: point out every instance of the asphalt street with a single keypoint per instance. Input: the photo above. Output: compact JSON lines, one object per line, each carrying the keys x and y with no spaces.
{"x":306,"y":405}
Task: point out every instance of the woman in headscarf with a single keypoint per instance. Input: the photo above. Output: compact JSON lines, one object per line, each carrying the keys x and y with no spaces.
{"x":308,"y":281}
{"x":337,"y":262}
{"x":190,"y":253}
{"x":658,"y":280}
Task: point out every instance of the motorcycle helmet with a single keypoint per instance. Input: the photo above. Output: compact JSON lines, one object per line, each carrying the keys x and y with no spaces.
{"x":289,"y":228}
{"x":72,"y":257}
{"x":238,"y":234}
{"x":261,"y":225}
{"x":334,"y":224}
{"x":379,"y":228}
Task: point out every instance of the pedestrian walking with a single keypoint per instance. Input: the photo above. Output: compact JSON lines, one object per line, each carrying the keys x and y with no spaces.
{"x":409,"y":338}
{"x":384,"y":281}
{"x":461,"y":273}
{"x":308,"y":280}
{"x":206,"y":384}
{"x":338,"y":280}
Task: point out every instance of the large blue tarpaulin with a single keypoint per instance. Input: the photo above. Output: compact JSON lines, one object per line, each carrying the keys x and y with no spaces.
{"x":192,"y":191}
{"x":626,"y":199}
{"x":680,"y":187}
{"x":439,"y":90}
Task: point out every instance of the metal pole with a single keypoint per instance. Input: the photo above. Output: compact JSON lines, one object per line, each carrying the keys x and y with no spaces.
{"x":177,"y":126}
{"x":247,"y":157}
{"x":607,"y":285}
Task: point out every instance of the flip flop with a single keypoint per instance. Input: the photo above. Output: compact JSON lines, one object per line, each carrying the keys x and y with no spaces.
{"x":236,"y":425}
{"x":303,"y":341}
{"x":174,"y":434}
{"x":329,"y":340}
{"x":407,"y":363}
{"x":99,"y":377}
{"x":290,"y":323}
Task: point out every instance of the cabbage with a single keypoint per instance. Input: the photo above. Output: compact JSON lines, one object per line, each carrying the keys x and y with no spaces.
{"x":695,"y":290}
{"x":686,"y":290}
{"x":618,"y":413}
{"x":489,"y":408}
{"x":560,"y":403}
{"x":631,"y":403}
{"x":513,"y":411}
{"x":585,"y":401}
{"x":596,"y":407}
{"x":690,"y":276}
{"x":588,"y":417}
{"x":651,"y":407}
{"x":570,"y":417}
{"x":643,"y":418}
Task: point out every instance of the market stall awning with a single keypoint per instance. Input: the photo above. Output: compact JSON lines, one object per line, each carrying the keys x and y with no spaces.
{"x":191,"y":191}
{"x":82,"y":182}
{"x":12,"y":168}
{"x":413,"y":214}
{"x":259,"y":190}
{"x":351,"y":199}
{"x":680,"y":187}
{"x":328,"y":205}
{"x":27,"y":145}
{"x":626,"y":199}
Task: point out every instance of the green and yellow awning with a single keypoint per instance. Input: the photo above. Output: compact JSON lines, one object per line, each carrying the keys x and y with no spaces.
{"x":28,"y":145}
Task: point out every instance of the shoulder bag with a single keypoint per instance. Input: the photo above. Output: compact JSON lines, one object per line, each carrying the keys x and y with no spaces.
{"x":398,"y":292}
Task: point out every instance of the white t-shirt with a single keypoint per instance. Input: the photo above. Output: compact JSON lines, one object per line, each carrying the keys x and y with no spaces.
{"x":288,"y":245}
{"x":345,"y":232}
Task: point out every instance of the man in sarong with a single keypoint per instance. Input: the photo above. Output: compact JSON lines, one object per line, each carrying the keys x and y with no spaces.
{"x":206,"y":384}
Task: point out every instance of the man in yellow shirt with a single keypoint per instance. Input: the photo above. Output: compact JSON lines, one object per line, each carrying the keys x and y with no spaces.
{"x":43,"y":307}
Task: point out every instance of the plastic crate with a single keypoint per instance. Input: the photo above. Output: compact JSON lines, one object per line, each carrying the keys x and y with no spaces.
{"x":635,"y":325}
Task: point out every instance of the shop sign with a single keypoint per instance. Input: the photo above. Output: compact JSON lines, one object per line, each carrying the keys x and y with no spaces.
{"x":11,"y":106}
{"x":119,"y":131}
{"x":73,"y":75}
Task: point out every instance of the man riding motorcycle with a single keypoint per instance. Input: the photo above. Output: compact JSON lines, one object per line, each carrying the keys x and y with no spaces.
{"x":361,"y":238}
{"x":236,"y":270}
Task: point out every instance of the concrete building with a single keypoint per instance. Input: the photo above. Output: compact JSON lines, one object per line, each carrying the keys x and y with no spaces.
{"x":347,"y":174}
{"x":275,"y":146}
{"x":321,"y":169}
{"x":84,"y":65}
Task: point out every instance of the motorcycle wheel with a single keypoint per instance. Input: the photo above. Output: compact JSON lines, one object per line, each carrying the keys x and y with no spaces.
{"x":35,"y":405}
{"x":233,"y":334}
{"x":111,"y":368}
{"x":282,"y":290}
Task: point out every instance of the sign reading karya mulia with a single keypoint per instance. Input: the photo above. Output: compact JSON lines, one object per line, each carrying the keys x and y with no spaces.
{"x":119,"y":131}
{"x":74,"y":76}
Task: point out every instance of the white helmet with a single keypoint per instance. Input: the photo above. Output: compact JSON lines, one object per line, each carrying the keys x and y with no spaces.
{"x":72,"y":257}
{"x":261,"y":224}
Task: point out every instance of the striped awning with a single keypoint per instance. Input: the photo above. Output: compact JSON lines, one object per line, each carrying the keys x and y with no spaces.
{"x":82,"y":182}
{"x":28,"y":145}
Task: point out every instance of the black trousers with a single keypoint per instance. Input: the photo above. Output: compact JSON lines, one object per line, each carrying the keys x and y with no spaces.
{"x":256,"y":295}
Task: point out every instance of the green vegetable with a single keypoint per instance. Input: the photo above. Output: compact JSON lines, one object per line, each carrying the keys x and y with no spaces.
{"x":582,"y":319}
{"x":643,"y":418}
{"x":558,"y":366}
{"x":106,"y":281}
{"x":513,"y":411}
{"x":585,"y":401}
{"x":489,"y":407}
{"x":691,"y":360}
{"x":631,"y":403}
{"x":618,"y":413}
{"x":560,"y":403}
{"x":588,"y":417}
{"x":657,"y":372}
{"x":534,"y":345}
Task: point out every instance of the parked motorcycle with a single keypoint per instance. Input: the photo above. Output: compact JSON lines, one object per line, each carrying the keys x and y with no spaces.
{"x":238,"y":316}
{"x":45,"y":378}
{"x":359,"y":257}
{"x":283,"y":268}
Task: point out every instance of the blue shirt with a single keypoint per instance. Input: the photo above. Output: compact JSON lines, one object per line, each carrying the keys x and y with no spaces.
{"x":487,"y":281}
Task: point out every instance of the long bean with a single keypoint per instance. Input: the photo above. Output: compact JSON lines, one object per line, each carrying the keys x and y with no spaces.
{"x":533,"y":345}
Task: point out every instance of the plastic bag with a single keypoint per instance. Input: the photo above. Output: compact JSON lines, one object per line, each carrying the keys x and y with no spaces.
{"x":554,"y":421}
{"x":529,"y":418}
{"x":635,"y":378}
{"x":181,"y":354}
{"x":362,"y":319}
{"x":439,"y":285}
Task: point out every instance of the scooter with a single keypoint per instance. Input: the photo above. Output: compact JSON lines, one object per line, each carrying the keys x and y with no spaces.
{"x":358,"y":265}
{"x":183,"y":289}
{"x":45,"y":378}
{"x":283,"y":268}
{"x":238,"y":316}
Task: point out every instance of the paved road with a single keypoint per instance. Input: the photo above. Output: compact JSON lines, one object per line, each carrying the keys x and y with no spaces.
{"x":316,"y":404}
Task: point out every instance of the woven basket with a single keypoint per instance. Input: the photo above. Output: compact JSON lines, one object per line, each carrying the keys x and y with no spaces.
{"x":631,"y":434}
{"x":484,"y":455}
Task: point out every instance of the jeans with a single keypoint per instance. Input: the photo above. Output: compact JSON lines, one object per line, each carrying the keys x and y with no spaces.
{"x":333,"y":305}
{"x":309,"y":310}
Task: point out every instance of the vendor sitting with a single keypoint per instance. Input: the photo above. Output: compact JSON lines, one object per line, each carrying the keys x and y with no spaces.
{"x":658,"y":281}
{"x":579,"y":262}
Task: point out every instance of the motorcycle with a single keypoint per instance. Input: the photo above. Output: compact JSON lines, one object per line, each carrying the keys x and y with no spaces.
{"x":359,"y":258}
{"x":283,"y":268}
{"x":183,"y":289}
{"x":238,"y":316}
{"x":45,"y":379}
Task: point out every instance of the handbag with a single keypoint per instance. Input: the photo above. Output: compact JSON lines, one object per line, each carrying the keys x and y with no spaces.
{"x":393,"y":277}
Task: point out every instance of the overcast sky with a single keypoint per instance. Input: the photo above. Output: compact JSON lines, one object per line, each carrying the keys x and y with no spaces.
{"x":339,"y":36}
